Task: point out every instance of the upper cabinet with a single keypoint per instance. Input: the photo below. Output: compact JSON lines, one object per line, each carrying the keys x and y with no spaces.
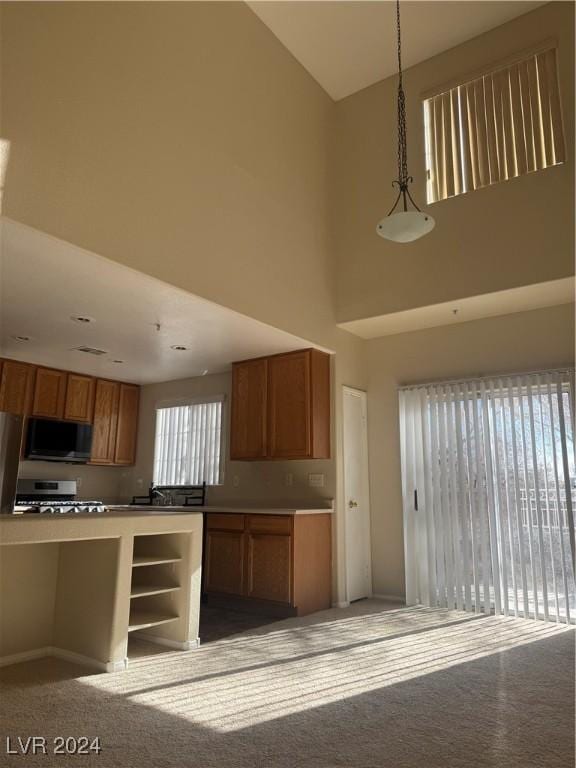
{"x":105,"y":422}
{"x":49,"y":394}
{"x":46,"y":393}
{"x":248,"y":431}
{"x":79,"y":404}
{"x":16,"y":381}
{"x":125,"y":452}
{"x":281,"y":407}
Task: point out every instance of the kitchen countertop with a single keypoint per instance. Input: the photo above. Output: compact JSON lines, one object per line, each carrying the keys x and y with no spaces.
{"x":297,"y":509}
{"x":128,"y":510}
{"x":137,"y":510}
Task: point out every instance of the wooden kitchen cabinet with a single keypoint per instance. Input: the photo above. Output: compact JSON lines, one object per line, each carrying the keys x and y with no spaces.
{"x":115,"y":423}
{"x":16,"y":382}
{"x":248,"y":430}
{"x":125,"y":451}
{"x":79,"y":404}
{"x":110,"y":406}
{"x":224,"y":554}
{"x":105,"y":422}
{"x":278,"y":565}
{"x":49,"y":393}
{"x":281,"y":407}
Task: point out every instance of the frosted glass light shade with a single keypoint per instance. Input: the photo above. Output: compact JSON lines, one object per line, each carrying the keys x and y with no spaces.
{"x":405,"y":226}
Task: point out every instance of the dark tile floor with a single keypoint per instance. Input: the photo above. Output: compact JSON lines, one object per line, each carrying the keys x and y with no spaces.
{"x":217,"y":623}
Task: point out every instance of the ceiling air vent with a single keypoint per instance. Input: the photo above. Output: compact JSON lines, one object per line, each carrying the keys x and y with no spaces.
{"x":90,"y":350}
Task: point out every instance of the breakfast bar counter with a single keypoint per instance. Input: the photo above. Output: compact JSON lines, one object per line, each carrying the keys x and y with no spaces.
{"x":76,"y":585}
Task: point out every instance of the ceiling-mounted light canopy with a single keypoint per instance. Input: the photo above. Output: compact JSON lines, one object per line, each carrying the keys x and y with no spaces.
{"x":403,"y":226}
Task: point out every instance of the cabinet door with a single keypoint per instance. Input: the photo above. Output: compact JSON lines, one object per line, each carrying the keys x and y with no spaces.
{"x":269,"y":567}
{"x":249,"y":418}
{"x":289,"y":406}
{"x":16,"y":387}
{"x":105,"y":422}
{"x":125,"y":452}
{"x":49,"y":393}
{"x":79,"y":398}
{"x":224,"y":562}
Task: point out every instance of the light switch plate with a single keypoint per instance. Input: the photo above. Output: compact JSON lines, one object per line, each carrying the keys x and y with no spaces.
{"x":235,"y":481}
{"x":316,"y":480}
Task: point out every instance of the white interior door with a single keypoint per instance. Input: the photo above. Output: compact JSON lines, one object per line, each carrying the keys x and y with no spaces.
{"x":356,"y":496}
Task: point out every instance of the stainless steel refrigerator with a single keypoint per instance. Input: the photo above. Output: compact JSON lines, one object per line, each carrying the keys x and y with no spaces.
{"x":10,"y":440}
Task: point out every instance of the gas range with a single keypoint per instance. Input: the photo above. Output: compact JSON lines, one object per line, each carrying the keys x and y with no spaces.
{"x":54,"y":497}
{"x":59,"y":507}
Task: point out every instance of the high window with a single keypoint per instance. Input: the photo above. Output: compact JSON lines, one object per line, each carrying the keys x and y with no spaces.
{"x":503,"y":124}
{"x":188,"y":446}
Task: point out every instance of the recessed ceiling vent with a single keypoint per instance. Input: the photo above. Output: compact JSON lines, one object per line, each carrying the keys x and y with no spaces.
{"x":90,"y":350}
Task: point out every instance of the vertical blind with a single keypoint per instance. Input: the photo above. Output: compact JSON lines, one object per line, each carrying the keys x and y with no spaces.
{"x":188,"y":444}
{"x":488,"y":473}
{"x":504,"y":124}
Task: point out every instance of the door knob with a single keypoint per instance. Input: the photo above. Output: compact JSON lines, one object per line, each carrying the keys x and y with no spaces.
{"x":352,"y":504}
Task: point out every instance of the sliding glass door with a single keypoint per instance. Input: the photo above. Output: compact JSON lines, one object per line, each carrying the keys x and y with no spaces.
{"x":488,"y":474}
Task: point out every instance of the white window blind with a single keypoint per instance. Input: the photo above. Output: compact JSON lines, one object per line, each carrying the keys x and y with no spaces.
{"x":488,"y":472}
{"x":188,"y":444}
{"x":504,"y":124}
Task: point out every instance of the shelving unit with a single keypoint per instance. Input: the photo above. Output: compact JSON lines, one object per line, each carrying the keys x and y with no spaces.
{"x":154,"y":599}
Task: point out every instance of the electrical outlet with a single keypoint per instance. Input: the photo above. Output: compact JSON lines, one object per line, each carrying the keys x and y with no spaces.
{"x":235,"y":481}
{"x":79,"y":482}
{"x":288,"y":478}
{"x":139,"y":482}
{"x":316,"y":480}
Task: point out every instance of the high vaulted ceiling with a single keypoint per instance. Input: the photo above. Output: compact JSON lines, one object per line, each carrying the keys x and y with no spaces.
{"x":347,"y":45}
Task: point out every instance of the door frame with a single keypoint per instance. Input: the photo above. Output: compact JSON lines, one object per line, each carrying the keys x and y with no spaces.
{"x":362,"y":394}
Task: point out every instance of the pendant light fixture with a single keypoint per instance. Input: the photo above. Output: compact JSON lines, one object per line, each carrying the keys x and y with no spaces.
{"x":403,"y":226}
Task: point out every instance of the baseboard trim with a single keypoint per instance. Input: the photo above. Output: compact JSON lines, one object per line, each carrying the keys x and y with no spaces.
{"x":390,"y":598}
{"x":341,"y":604}
{"x":65,"y":655}
{"x":89,"y":661}
{"x":17,"y":658}
{"x":177,"y":645}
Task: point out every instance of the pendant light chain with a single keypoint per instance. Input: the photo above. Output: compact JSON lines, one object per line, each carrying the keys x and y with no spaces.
{"x":402,"y":151}
{"x":402,"y":225}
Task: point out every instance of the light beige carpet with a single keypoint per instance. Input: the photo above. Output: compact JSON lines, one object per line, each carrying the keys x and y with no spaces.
{"x":363,"y":687}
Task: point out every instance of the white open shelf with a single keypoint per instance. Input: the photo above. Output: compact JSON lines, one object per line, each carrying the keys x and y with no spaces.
{"x":140,"y":560}
{"x":145,"y":619}
{"x":145,"y":590}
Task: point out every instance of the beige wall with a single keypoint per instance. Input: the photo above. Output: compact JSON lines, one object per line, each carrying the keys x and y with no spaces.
{"x":181,"y":139}
{"x":28,"y":578}
{"x":512,"y":234}
{"x":514,"y":343}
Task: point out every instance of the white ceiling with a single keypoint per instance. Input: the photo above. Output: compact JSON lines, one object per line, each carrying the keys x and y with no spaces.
{"x":523,"y":299}
{"x":347,"y":45}
{"x":44,"y":281}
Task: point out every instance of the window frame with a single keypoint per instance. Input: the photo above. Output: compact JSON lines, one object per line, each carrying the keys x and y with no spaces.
{"x":470,"y":77}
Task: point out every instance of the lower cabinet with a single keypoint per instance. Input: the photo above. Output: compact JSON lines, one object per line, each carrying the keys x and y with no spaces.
{"x":224,"y":562}
{"x":272,"y":564}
